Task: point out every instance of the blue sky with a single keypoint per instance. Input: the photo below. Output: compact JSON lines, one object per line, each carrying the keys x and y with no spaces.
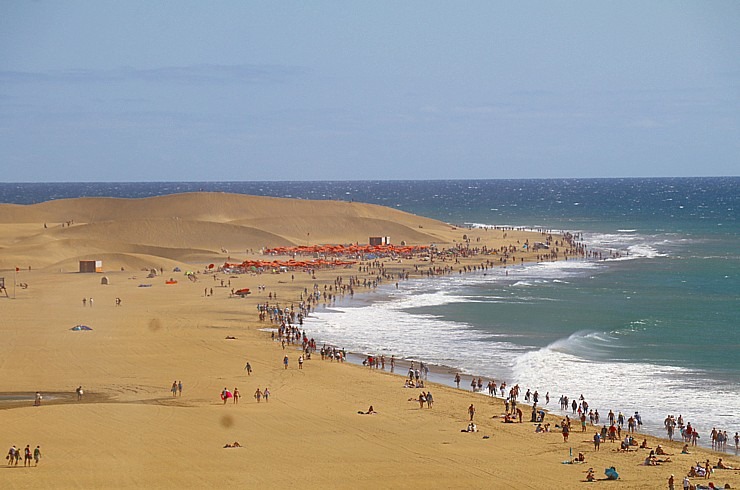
{"x":319,"y":90}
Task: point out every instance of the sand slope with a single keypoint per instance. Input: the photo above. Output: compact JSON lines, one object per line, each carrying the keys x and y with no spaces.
{"x":187,"y":227}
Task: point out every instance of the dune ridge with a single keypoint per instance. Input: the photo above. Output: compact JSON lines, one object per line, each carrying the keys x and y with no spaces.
{"x":183,"y":227}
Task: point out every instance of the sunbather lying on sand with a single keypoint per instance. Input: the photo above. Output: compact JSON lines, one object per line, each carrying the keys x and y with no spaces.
{"x":723,"y":466}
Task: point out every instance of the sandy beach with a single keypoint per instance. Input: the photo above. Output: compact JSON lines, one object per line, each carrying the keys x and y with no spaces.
{"x":129,"y":431}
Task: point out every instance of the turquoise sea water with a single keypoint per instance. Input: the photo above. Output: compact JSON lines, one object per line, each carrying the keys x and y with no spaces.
{"x":655,"y":330}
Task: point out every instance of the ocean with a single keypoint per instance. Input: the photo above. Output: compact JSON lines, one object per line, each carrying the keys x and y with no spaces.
{"x":654,"y":329}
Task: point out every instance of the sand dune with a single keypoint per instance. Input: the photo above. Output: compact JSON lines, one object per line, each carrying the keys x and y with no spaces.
{"x":176,"y":233}
{"x":316,"y":229}
{"x":215,"y":207}
{"x":184,"y":227}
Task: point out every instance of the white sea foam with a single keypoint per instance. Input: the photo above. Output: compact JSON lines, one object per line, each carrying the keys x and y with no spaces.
{"x":567,"y":366}
{"x":653,"y":390}
{"x":645,"y":250}
{"x":387,"y":329}
{"x":560,"y":368}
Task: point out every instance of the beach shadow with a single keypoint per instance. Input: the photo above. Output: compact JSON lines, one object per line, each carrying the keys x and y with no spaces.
{"x":11,"y":400}
{"x":23,"y":399}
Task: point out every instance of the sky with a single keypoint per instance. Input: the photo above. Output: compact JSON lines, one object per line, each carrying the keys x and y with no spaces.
{"x":184,"y":90}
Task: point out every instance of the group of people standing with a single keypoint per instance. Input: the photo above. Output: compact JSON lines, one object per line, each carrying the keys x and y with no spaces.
{"x":235,"y":395}
{"x":14,"y":456}
{"x":176,"y":388}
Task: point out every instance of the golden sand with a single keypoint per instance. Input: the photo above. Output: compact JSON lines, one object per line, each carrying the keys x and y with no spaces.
{"x":130,"y":432}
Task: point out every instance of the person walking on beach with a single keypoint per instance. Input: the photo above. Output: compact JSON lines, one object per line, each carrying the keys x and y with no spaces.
{"x":173,"y":389}
{"x":285,"y":362}
{"x":236,"y":395}
{"x":471,"y":411}
{"x":179,"y":388}
{"x":37,"y":454}
{"x":91,"y":302}
{"x":258,"y":395}
{"x":597,"y":441}
{"x":266,"y":394}
{"x":248,"y":369}
{"x":37,"y":400}
{"x":457,"y":380}
{"x":79,"y":393}
{"x":27,"y":456}
{"x":11,"y":457}
{"x":430,"y":400}
{"x":300,"y":362}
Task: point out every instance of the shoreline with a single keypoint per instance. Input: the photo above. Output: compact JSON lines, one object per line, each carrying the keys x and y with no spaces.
{"x":443,"y":374}
{"x":140,"y":435}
